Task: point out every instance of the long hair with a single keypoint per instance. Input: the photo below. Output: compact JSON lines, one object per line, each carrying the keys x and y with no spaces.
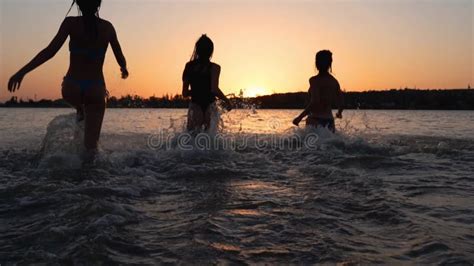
{"x":324,"y":61}
{"x":203,"y":49}
{"x":89,"y":9}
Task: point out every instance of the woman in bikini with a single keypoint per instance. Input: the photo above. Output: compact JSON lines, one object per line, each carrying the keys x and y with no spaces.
{"x":203,"y":77}
{"x":324,"y":93}
{"x":83,"y":86}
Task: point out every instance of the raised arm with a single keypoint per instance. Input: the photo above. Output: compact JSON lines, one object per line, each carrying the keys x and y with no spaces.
{"x":215,"y":73}
{"x":43,"y":56}
{"x":117,"y":49}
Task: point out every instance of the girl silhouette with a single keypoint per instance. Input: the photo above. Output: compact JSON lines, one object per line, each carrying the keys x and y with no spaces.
{"x":325,"y":93}
{"x":203,"y":77}
{"x":83,"y":86}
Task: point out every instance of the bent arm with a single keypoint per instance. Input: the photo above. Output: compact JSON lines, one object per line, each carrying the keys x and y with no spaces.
{"x":186,"y":92}
{"x":221,"y":96}
{"x":340,"y":100}
{"x":314,"y":99}
{"x":117,"y":49}
{"x":50,"y":51}
{"x":306,"y":111}
{"x":215,"y":73}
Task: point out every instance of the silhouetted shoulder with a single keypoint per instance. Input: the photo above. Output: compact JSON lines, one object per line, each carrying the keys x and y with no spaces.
{"x":334,"y":80}
{"x":68,"y":22}
{"x":332,"y":77}
{"x":215,"y":67}
{"x":188,"y":64}
{"x":107,"y":23}
{"x":187,"y":71}
{"x":70,"y":19}
{"x":108,"y":27}
{"x":313,"y":80}
{"x":78,"y":19}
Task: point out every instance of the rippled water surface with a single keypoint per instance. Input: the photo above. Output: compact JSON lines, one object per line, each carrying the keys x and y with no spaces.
{"x":393,"y":187}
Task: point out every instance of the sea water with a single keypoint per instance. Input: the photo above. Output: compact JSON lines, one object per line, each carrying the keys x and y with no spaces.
{"x":391,"y":187}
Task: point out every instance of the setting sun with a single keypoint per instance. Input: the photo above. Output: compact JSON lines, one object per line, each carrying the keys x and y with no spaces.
{"x":256,"y":91}
{"x":259,"y":59}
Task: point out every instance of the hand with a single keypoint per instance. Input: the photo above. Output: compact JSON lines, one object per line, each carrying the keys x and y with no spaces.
{"x":15,"y":82}
{"x":297,"y":121}
{"x":124,"y":72}
{"x":339,"y":115}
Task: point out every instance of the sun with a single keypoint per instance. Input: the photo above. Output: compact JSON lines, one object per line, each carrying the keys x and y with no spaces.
{"x":256,"y":91}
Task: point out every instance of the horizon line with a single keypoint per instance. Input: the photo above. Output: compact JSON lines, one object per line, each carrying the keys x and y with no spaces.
{"x":233,"y":95}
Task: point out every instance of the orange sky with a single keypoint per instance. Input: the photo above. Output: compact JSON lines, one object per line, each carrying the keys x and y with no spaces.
{"x":262,"y":46}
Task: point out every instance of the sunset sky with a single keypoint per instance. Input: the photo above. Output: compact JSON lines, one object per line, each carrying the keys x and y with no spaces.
{"x":262,"y":46}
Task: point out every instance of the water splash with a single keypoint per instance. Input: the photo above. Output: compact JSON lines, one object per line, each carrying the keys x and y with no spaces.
{"x":350,"y":199}
{"x":63,"y":144}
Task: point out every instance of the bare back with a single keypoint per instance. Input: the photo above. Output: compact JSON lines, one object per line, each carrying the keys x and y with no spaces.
{"x":325,"y":93}
{"x":84,"y":85}
{"x":87,"y":53}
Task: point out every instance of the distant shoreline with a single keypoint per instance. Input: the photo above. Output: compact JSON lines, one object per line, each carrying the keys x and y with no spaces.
{"x":402,"y":99}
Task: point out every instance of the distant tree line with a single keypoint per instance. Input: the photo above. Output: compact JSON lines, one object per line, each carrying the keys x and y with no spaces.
{"x":409,"y":99}
{"x":135,"y":101}
{"x":412,"y":99}
{"x":43,"y":103}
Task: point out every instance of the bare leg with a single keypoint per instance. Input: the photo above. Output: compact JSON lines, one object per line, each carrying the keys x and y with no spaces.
{"x":72,"y":95}
{"x":311,"y":121}
{"x":94,"y":109}
{"x":92,"y":105}
{"x":195,"y":117}
{"x":210,"y":111}
{"x":80,"y":113}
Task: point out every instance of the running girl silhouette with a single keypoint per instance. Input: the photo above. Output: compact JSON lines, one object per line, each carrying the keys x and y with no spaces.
{"x":203,"y":77}
{"x":83,"y":86}
{"x":324,"y":93}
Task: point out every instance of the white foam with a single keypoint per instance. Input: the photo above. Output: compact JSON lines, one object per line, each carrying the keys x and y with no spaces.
{"x":63,"y":143}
